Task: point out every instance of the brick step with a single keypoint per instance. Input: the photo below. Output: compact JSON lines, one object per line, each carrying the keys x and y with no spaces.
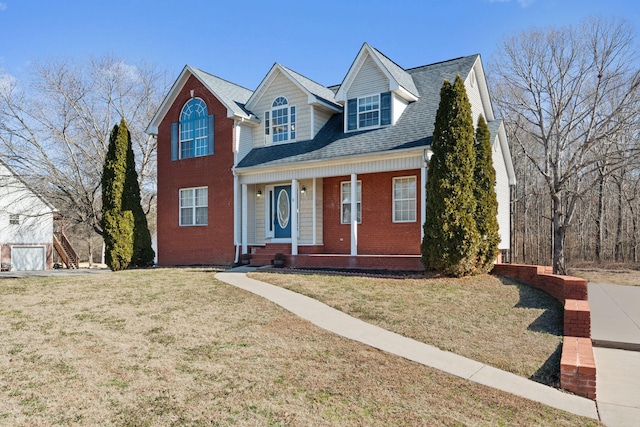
{"x":271,"y":249}
{"x":261,"y":259}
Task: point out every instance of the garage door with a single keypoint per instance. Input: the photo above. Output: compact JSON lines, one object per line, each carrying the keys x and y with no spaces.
{"x":28,"y":258}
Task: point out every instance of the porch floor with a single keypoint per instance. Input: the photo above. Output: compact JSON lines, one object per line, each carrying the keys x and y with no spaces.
{"x":363,"y":262}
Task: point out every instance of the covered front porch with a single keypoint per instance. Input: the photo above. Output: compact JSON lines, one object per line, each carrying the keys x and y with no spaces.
{"x":312,"y":257}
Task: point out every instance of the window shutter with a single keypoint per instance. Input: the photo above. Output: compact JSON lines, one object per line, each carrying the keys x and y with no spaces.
{"x":210,"y":135}
{"x":385,"y":108}
{"x":352,"y":114}
{"x":174,"y":141}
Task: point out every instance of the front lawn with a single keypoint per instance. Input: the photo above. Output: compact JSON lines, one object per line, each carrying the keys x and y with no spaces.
{"x":176,"y":347}
{"x":498,"y":322}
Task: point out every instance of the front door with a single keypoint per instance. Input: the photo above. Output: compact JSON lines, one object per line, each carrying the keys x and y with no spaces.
{"x":282,"y":217}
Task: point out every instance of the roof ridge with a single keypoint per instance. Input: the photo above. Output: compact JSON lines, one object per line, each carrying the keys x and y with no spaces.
{"x":220,"y":78}
{"x":389,"y":59}
{"x":441,"y":62}
{"x":303,"y":76}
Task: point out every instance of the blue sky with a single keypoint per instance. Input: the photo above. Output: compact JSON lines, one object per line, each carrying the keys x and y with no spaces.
{"x":240,"y":41}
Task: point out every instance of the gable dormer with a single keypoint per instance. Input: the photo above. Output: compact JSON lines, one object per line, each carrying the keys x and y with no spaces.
{"x":375,"y":91}
{"x":290,"y":106}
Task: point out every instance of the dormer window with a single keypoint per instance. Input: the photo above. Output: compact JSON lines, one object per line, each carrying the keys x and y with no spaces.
{"x":369,"y":111}
{"x":280,"y":122}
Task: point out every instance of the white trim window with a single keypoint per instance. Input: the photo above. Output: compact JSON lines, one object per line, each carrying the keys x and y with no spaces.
{"x":280,"y":122}
{"x":192,"y":136}
{"x":345,"y":202}
{"x":194,"y":206}
{"x":404,"y":199}
{"x":369,"y":111}
{"x":14,"y":219}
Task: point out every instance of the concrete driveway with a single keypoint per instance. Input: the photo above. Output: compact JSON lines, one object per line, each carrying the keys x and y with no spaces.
{"x":615,"y":332}
{"x":52,"y":273}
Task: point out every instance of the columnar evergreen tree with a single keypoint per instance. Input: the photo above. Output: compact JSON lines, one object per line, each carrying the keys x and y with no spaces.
{"x":143,"y":253}
{"x":451,"y":238}
{"x":117,"y":223}
{"x":486,"y":214}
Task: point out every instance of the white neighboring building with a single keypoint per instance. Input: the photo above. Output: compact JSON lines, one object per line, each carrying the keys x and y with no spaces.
{"x":26,"y":225}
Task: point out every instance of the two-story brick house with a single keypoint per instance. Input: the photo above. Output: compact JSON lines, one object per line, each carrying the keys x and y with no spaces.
{"x":330,"y":176}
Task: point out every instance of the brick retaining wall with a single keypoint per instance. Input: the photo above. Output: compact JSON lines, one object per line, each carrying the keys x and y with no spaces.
{"x":577,"y":365}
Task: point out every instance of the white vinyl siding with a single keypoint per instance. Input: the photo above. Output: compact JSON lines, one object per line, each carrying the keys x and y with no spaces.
{"x":256,"y":216}
{"x":370,"y":79}
{"x":321,"y":117}
{"x":244,"y":140}
{"x":306,"y":212}
{"x":282,"y":86}
{"x":342,"y":169}
{"x":398,"y":106}
{"x":35,"y":217}
{"x":473,"y":93}
{"x":502,"y":193}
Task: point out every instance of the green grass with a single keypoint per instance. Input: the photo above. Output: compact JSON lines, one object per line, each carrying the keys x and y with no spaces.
{"x":176,"y":347}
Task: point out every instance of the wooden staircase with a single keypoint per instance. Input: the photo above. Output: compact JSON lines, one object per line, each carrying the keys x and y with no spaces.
{"x":65,"y":250}
{"x":264,"y":255}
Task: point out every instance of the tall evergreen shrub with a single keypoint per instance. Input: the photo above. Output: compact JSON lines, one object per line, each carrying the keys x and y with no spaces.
{"x":117,"y":224}
{"x":486,"y":214}
{"x":451,"y":237}
{"x":143,"y":254}
{"x":124,"y":224}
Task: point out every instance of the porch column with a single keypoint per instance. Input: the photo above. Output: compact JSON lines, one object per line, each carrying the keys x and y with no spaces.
{"x":423,"y":199}
{"x":294,"y":217}
{"x":236,"y":189}
{"x":313,"y":209}
{"x":244,"y":218}
{"x":354,"y":214}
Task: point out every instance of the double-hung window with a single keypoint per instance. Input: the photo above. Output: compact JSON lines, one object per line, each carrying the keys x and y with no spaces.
{"x":193,"y":135}
{"x":345,"y":197}
{"x":369,"y":111}
{"x":404,"y":199}
{"x":280,"y":122}
{"x":194,"y":206}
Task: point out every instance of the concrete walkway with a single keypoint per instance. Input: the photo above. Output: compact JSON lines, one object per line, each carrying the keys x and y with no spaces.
{"x":342,"y":324}
{"x":615,"y":332}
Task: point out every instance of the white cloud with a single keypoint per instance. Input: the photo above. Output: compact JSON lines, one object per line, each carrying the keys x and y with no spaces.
{"x":3,"y":6}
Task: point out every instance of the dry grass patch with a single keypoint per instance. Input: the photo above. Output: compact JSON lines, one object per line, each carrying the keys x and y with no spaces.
{"x":610,"y":276}
{"x":177,"y":347}
{"x":498,"y":322}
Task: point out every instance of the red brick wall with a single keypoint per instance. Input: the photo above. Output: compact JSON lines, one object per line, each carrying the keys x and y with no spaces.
{"x":377,"y":234}
{"x":577,"y":365}
{"x":211,"y":244}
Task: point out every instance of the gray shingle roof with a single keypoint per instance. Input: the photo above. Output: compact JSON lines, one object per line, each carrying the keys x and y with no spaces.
{"x":399,"y":74}
{"x":232,"y":95}
{"x":320,"y":92}
{"x":413,"y":129}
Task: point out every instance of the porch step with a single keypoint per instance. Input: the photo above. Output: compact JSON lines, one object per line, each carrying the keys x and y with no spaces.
{"x":263,"y":255}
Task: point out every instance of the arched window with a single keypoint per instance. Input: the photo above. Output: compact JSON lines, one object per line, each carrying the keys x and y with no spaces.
{"x":280,"y":122}
{"x":193,"y":135}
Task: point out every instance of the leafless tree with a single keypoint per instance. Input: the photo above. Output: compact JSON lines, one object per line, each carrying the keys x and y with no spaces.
{"x":55,"y":124}
{"x":568,"y":93}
